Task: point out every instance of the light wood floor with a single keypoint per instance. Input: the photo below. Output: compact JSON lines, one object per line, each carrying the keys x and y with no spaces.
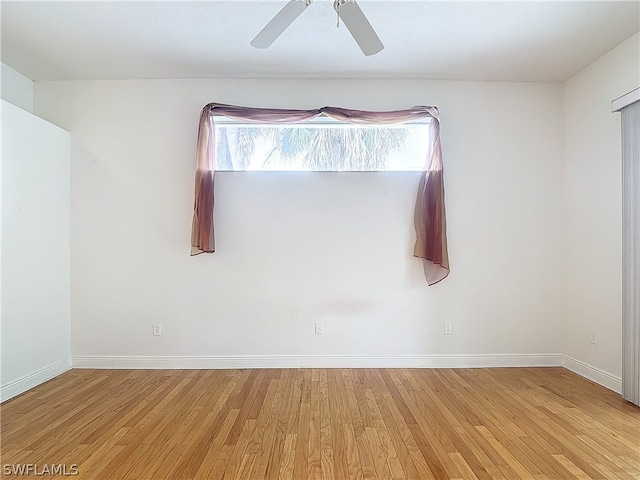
{"x":542,"y":423}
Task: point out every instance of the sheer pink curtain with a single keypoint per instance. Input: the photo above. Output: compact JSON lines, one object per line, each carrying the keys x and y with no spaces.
{"x":430,"y":221}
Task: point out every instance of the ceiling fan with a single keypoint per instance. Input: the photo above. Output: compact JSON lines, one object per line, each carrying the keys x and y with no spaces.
{"x":348,"y":11}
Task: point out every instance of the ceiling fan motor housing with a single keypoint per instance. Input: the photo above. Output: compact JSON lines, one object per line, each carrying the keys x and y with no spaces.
{"x":348,"y":11}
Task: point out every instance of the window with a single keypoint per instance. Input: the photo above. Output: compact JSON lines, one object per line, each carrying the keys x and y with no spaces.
{"x":323,"y":145}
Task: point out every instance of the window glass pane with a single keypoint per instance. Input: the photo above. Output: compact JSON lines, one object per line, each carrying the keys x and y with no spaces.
{"x":315,"y":146}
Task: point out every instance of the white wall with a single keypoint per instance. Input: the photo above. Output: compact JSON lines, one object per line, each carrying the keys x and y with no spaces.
{"x":36,"y":325}
{"x":16,"y":88}
{"x":593,"y":206}
{"x":294,"y":249}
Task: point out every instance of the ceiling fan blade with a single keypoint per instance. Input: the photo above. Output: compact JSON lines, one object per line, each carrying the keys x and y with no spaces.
{"x":279,"y":23}
{"x":359,"y":27}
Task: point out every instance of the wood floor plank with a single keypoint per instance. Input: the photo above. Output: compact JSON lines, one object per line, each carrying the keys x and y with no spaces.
{"x":340,"y":464}
{"x":354,"y":467}
{"x":379,"y":457}
{"x":319,"y":424}
{"x":314,"y":458}
{"x":365,"y":454}
{"x":240,"y":446}
{"x":287,"y":462}
{"x":215,"y":447}
{"x":300,"y":470}
{"x":326,"y":435}
{"x":219,"y":468}
{"x":404,"y":456}
{"x":272,"y":469}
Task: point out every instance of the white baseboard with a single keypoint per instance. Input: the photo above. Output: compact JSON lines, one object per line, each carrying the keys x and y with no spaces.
{"x":583,"y":369}
{"x":606,"y":379}
{"x":318,"y":361}
{"x":21,"y":385}
{"x":27,"y":382}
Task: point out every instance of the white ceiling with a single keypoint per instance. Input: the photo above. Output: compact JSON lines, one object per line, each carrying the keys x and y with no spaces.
{"x":454,"y":40}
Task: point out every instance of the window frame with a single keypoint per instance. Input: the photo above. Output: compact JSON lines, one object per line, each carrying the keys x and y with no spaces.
{"x":324,"y":122}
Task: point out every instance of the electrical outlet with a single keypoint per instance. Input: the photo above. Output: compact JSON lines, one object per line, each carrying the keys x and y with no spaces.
{"x":447,"y":329}
{"x":319,"y":328}
{"x":594,"y":340}
{"x":157,"y":330}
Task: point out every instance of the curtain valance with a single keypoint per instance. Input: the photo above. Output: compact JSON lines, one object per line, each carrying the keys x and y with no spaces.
{"x":430,"y":222}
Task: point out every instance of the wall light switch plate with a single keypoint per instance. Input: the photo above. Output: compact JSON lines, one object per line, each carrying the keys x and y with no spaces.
{"x":319,"y":329}
{"x":157,"y":330}
{"x":447,"y":329}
